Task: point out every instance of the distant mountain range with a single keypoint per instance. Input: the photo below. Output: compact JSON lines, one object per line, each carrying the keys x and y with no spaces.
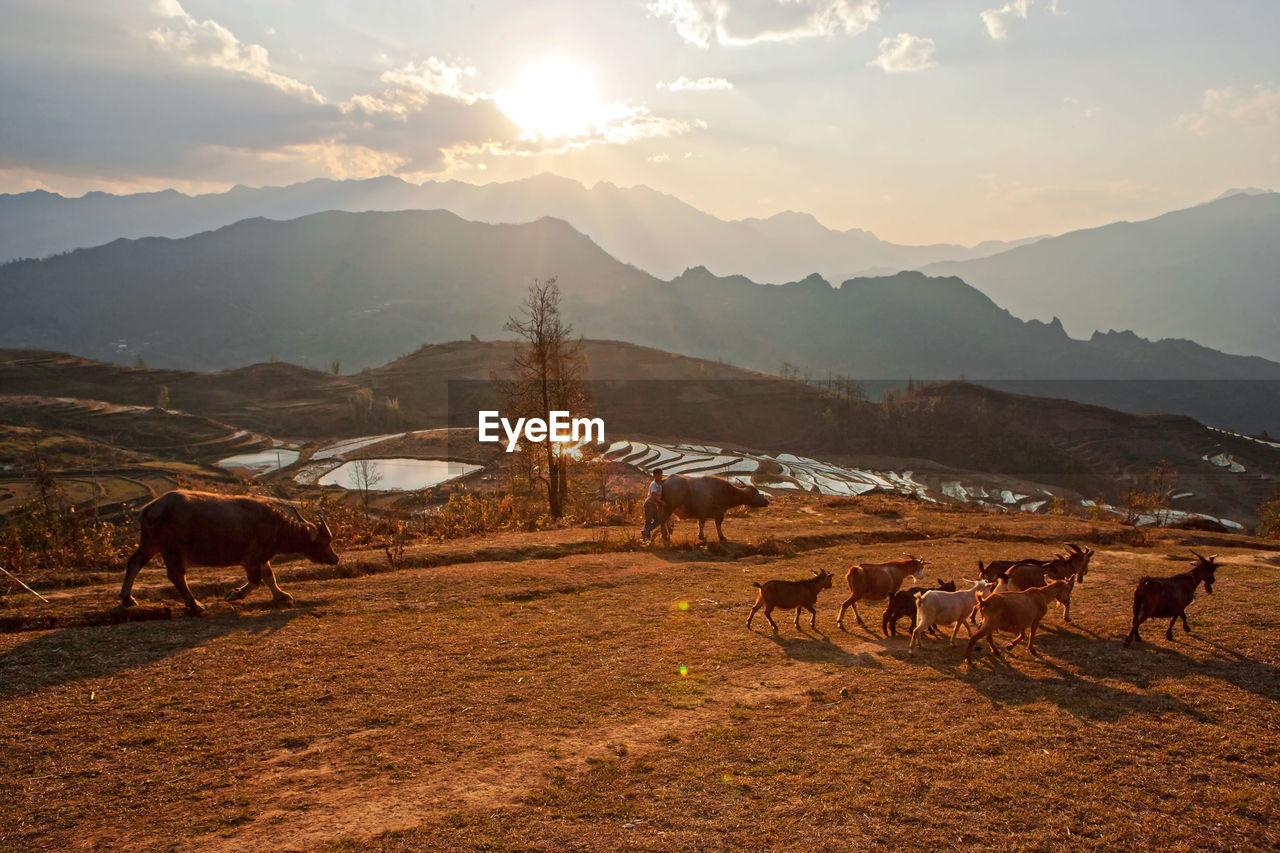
{"x":364,"y":288}
{"x":640,"y":226}
{"x":1210,"y":272}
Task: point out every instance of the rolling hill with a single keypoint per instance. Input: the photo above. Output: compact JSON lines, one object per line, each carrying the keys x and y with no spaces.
{"x":642,"y":393}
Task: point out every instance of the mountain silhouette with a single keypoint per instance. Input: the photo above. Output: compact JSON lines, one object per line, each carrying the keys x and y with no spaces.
{"x":1210,"y":272}
{"x":365,"y":288}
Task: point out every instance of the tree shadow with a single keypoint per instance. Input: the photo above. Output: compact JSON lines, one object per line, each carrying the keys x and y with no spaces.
{"x":68,"y":655}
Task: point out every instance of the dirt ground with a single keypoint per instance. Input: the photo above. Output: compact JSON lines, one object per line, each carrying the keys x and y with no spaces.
{"x":572,"y":690}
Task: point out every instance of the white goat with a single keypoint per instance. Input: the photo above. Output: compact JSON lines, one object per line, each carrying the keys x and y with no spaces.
{"x":936,"y":607}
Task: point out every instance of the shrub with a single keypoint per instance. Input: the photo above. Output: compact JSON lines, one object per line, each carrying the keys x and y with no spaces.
{"x":1269,"y":519}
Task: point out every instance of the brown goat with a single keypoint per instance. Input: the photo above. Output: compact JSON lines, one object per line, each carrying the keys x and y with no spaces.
{"x":877,"y":581}
{"x":995,"y":570}
{"x":1029,"y":576}
{"x":1018,"y":613}
{"x":801,"y":595}
{"x":903,"y":604}
{"x":1168,"y":598}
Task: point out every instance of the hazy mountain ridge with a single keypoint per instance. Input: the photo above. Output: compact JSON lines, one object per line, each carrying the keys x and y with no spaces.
{"x":1210,"y":272}
{"x":366,"y":288}
{"x":652,"y":230}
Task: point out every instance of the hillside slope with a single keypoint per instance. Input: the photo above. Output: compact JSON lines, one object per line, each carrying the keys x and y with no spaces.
{"x":367,"y":288}
{"x":1211,"y":273}
{"x":643,"y":393}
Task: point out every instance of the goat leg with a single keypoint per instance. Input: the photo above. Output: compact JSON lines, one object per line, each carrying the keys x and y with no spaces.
{"x":843,"y":607}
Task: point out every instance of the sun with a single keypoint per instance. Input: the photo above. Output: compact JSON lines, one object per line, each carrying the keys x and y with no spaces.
{"x":553,"y":99}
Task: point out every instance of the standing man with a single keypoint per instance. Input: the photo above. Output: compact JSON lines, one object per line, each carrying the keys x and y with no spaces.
{"x":653,"y":505}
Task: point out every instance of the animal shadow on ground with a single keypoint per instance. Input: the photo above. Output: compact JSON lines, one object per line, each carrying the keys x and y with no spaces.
{"x":1153,"y":660}
{"x":76,"y":654}
{"x":689,"y":551}
{"x":820,"y":649}
{"x":1072,"y":658}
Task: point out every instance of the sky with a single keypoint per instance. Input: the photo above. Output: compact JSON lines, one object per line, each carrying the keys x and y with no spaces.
{"x":919,"y":120}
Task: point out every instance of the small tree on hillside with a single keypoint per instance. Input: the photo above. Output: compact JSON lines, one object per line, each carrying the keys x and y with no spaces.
{"x":364,"y":477}
{"x":546,"y":375}
{"x":1269,"y":519}
{"x":1150,"y":494}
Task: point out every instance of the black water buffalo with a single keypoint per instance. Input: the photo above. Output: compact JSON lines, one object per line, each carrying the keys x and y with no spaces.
{"x":703,"y":498}
{"x":203,"y":529}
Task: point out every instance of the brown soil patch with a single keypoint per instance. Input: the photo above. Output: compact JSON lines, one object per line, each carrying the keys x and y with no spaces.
{"x":615,"y":700}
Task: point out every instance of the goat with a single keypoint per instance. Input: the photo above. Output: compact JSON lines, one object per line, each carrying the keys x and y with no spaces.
{"x":877,"y":581}
{"x":788,"y":594}
{"x":995,"y":570}
{"x":1017,"y":613}
{"x":946,"y":608}
{"x":1058,"y":566}
{"x":1025,"y":576}
{"x":1159,"y":598}
{"x":903,"y":604}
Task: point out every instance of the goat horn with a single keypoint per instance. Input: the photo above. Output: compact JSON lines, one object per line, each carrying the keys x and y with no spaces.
{"x":1198,"y":557}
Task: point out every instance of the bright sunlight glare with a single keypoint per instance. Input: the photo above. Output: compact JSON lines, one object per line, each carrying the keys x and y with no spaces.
{"x":552,"y":99}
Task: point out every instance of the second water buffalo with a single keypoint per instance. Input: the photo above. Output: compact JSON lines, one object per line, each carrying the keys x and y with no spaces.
{"x":705,"y":498}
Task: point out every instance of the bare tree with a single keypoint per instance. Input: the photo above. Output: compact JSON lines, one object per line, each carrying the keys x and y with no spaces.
{"x":364,"y":477}
{"x":547,"y":375}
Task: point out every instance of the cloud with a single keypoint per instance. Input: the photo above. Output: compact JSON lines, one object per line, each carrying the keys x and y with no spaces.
{"x":626,"y":124}
{"x":411,"y":87}
{"x":998,"y":20}
{"x":1258,"y":106}
{"x":210,"y":44}
{"x":702,"y":84}
{"x":746,"y":22}
{"x":906,"y":52}
{"x":142,"y":95}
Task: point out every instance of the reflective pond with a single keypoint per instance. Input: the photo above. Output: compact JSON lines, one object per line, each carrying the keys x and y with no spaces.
{"x":386,"y":475}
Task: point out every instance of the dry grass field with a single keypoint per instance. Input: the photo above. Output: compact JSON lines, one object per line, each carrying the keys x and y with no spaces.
{"x":570,"y":690}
